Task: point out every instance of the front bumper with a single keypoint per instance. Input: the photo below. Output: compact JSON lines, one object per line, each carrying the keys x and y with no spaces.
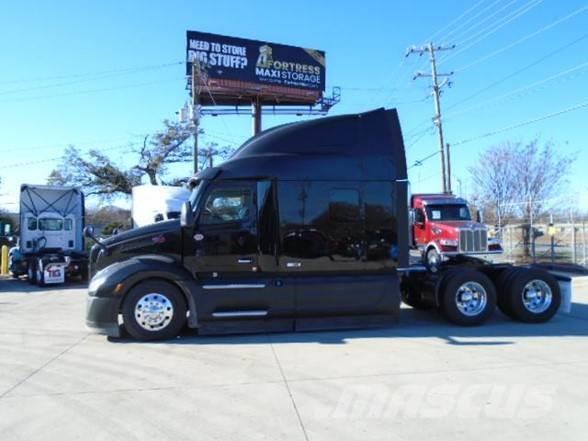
{"x":470,"y":253}
{"x":102,"y":315}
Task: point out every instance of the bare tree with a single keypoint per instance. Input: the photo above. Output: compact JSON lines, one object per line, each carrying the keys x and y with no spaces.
{"x":520,"y":180}
{"x":517,"y":179}
{"x":212,"y":152}
{"x":166,"y":147}
{"x":96,"y":174}
{"x":99,"y":175}
{"x":493,"y":178}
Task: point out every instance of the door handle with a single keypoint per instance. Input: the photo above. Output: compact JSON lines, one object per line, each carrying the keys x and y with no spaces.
{"x":293,"y":264}
{"x":245,"y":260}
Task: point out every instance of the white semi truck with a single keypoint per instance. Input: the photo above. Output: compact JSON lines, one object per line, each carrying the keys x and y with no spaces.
{"x":51,"y":241}
{"x":156,"y":203}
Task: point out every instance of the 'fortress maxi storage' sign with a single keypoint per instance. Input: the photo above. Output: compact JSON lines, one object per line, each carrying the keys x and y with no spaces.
{"x":257,"y":62}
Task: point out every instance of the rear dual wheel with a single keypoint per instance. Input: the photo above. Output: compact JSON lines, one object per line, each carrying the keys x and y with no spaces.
{"x":532,"y":296}
{"x":468,"y":297}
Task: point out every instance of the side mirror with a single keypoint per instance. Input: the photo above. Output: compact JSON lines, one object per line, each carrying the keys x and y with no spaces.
{"x":480,"y":216}
{"x":7,"y":229}
{"x":89,"y":232}
{"x":186,"y":215}
{"x":411,"y":216}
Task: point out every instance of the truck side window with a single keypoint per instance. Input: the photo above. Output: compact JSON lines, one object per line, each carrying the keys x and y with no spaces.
{"x":31,"y":223}
{"x":419,"y":216}
{"x":67,"y":224}
{"x":227,"y":205}
{"x":344,"y":206}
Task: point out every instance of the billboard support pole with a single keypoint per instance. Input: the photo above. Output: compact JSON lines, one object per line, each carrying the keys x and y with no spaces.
{"x":195,"y":119}
{"x":256,"y":115}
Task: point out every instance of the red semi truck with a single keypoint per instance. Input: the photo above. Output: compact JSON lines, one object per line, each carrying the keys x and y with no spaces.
{"x":442,"y":228}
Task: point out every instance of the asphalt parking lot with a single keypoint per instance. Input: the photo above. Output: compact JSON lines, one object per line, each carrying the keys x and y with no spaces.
{"x":420,"y":380}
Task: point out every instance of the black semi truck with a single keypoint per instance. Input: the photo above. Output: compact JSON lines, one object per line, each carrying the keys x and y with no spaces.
{"x":305,"y":227}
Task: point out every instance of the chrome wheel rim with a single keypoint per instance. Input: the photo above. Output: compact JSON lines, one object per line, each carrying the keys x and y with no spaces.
{"x":471,"y":299}
{"x":154,"y":312}
{"x":433,"y":260}
{"x":537,"y":296}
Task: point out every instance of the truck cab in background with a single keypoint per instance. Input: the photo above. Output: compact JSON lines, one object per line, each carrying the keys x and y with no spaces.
{"x":156,"y":203}
{"x":442,"y":227}
{"x":51,"y":241}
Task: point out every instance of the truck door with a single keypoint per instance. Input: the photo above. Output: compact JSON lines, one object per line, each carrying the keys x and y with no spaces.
{"x":420,"y":227}
{"x":232,"y":261}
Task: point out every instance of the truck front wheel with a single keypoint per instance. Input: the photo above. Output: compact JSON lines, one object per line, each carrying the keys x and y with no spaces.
{"x":469,"y":297}
{"x":534,"y":296}
{"x":31,"y":272}
{"x":154,"y":310}
{"x":432,"y":259}
{"x":40,"y":274}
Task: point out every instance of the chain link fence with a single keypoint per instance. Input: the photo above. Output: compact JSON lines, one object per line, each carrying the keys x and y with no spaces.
{"x":562,"y":242}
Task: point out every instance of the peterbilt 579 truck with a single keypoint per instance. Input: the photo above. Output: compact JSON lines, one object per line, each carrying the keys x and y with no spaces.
{"x":305,"y":227}
{"x":443,"y":228}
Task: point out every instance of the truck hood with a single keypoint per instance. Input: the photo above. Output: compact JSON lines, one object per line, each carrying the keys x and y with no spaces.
{"x":145,"y":231}
{"x":458,"y":224}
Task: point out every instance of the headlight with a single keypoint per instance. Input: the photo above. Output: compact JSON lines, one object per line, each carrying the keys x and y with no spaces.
{"x":436,"y":230}
{"x":448,"y":242}
{"x":95,"y":283}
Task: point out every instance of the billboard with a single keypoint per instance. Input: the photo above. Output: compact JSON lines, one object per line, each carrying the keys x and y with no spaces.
{"x":250,"y":65}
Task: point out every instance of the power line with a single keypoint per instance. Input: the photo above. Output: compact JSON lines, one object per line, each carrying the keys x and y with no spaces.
{"x":402,"y":64}
{"x":469,"y":33}
{"x":523,"y":39}
{"x":85,"y":80}
{"x":524,"y":123}
{"x":455,"y":20}
{"x":452,"y":34}
{"x":48,"y":160}
{"x":90,"y":91}
{"x":578,"y":106}
{"x":489,"y":30}
{"x":61,"y":145}
{"x":91,"y":74}
{"x":521,"y":70}
{"x":519,"y":90}
{"x":416,"y":139}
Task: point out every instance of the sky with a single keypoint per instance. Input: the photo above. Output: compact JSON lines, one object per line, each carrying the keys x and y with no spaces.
{"x":104,"y":74}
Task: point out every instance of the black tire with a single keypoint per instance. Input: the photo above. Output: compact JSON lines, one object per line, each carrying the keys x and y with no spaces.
{"x":412,"y":298}
{"x":538,"y":279}
{"x":84,"y":273}
{"x":432,"y":259}
{"x":452,"y":290}
{"x":503,"y":283}
{"x":31,"y":272}
{"x":40,"y":277}
{"x":158,"y":289}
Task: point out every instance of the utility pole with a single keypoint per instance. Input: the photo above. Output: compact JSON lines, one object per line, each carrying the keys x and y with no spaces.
{"x":436,"y":86}
{"x":195,"y":104}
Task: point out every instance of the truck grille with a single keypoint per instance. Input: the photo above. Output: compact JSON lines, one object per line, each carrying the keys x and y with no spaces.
{"x":473,"y":241}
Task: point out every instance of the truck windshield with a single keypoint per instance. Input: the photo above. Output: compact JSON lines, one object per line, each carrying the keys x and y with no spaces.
{"x":50,"y":224}
{"x":449,"y":212}
{"x":196,"y":193}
